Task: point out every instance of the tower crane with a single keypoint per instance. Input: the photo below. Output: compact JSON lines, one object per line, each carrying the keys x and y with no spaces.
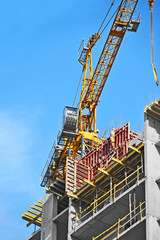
{"x":79,"y":134}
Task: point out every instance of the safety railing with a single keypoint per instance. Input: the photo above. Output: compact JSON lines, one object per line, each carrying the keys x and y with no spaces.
{"x":108,"y":197}
{"x":83,"y":50}
{"x":48,"y":163}
{"x":122,"y":224}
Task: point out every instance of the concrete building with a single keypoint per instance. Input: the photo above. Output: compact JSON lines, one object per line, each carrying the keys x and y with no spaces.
{"x":121,"y":201}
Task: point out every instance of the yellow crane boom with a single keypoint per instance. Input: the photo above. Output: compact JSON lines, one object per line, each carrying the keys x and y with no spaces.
{"x":120,"y":25}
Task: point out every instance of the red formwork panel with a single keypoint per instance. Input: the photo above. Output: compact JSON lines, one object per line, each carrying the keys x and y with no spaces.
{"x":100,"y":157}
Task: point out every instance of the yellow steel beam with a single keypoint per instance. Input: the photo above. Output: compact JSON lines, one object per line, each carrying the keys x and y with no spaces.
{"x":93,"y":185}
{"x":91,"y":136}
{"x":118,"y":161}
{"x":90,"y":183}
{"x":76,"y":197}
{"x":38,"y":205}
{"x":134,"y":149}
{"x":103,"y":171}
{"x":125,"y":157}
{"x":32,"y":216}
{"x":108,"y":174}
{"x":31,"y":211}
{"x":36,"y":208}
{"x":72,"y":195}
{"x":34,"y":220}
{"x":40,"y":201}
{"x":27,"y":218}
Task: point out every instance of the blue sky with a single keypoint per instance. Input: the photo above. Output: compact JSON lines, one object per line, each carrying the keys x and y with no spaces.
{"x":39,"y":75}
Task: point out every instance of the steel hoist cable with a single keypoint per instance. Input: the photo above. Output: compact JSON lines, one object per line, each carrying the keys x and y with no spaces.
{"x":106,"y":15}
{"x":100,"y":34}
{"x":78,"y":88}
{"x":152,"y":48}
{"x":109,"y":20}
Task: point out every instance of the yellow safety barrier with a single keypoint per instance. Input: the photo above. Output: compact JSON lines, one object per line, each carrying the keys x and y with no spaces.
{"x":122,"y":224}
{"x":110,"y":195}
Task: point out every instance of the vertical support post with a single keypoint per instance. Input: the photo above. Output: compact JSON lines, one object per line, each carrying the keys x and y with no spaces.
{"x":130,"y":207}
{"x":95,"y":203}
{"x":114,"y":192}
{"x":80,"y":208}
{"x":140,"y":206}
{"x":134,"y":206}
{"x":111,"y":190}
{"x":82,"y":147}
{"x":119,"y":220}
{"x":95,"y":120}
{"x":125,"y":173}
{"x":137,"y":174}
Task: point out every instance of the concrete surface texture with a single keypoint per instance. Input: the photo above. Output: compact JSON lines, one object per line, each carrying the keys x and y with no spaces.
{"x":144,"y":226}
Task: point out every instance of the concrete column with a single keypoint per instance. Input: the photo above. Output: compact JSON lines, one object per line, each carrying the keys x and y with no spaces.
{"x":49,"y":211}
{"x":152,"y":173}
{"x":73,"y":208}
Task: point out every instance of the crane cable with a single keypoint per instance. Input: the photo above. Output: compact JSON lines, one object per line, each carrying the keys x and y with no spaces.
{"x":109,"y":21}
{"x":106,"y":16}
{"x":78,"y":88}
{"x":100,"y":34}
{"x":152,"y":49}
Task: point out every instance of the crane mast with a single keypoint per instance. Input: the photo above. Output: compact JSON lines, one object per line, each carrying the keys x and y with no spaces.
{"x":95,"y":86}
{"x":84,"y":138}
{"x":78,"y":135}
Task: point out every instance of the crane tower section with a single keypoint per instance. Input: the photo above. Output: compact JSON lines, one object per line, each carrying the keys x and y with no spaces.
{"x":123,"y":22}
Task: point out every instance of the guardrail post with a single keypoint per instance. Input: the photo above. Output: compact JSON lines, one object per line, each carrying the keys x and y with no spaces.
{"x":137,"y":174}
{"x":114,"y":192}
{"x":119,"y":220}
{"x":140,"y":206}
{"x":111,"y":189}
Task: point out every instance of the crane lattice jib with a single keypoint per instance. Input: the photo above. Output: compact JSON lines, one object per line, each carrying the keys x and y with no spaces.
{"x":109,"y":52}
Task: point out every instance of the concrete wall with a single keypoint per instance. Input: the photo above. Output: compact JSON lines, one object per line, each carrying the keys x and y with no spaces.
{"x":35,"y":236}
{"x":152,"y":171}
{"x":49,"y":211}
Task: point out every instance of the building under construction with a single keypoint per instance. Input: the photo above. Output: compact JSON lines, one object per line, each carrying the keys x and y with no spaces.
{"x":101,"y":188}
{"x":113,"y":192}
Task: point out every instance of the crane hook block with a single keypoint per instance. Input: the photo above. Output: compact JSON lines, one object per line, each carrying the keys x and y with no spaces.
{"x":155,"y":74}
{"x":151,"y":2}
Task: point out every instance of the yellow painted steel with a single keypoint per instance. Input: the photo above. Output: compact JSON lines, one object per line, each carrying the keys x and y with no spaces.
{"x":76,"y":197}
{"x":94,"y":185}
{"x":36,"y":208}
{"x":93,"y":84}
{"x":34,"y":220}
{"x":118,"y":161}
{"x":27,"y":218}
{"x":134,"y":149}
{"x":38,"y":205}
{"x":117,"y":188}
{"x":138,"y":211}
{"x":108,"y":55}
{"x":32,"y":216}
{"x":91,"y":136}
{"x":33,"y":212}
